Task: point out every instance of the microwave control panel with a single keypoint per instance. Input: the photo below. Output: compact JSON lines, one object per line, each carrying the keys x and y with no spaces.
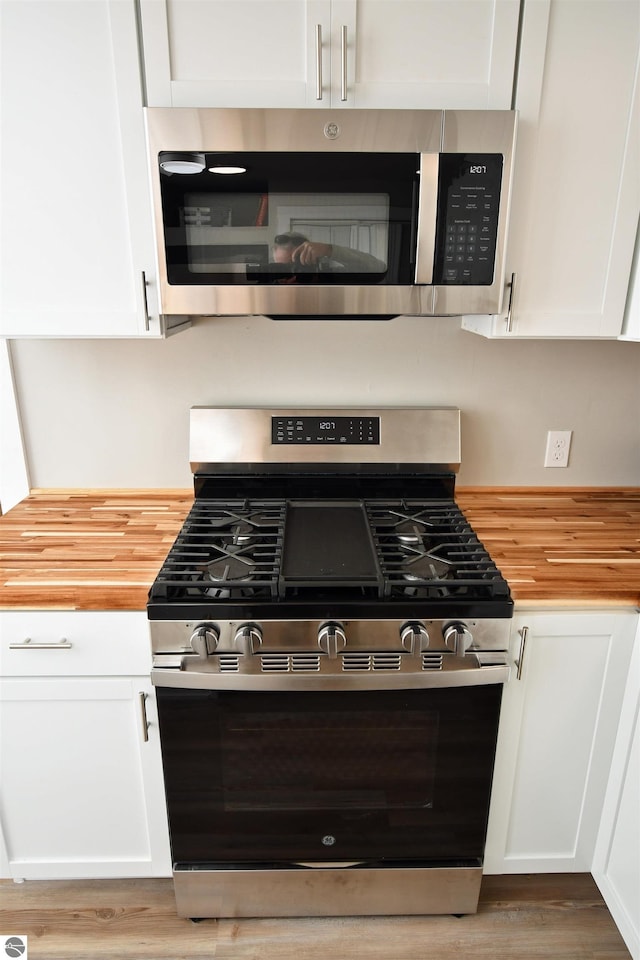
{"x":467,"y":226}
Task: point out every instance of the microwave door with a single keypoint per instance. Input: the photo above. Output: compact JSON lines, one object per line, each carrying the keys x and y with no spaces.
{"x":427,"y":217}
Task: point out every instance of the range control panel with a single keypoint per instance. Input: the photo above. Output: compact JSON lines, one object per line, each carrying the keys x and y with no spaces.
{"x":467,"y":227}
{"x":329,"y":429}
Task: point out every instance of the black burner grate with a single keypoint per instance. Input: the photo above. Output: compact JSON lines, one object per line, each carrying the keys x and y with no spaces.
{"x":427,"y":549}
{"x":225,"y":549}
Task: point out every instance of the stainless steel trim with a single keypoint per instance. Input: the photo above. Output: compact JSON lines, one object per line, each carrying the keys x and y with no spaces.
{"x":301,"y":891}
{"x":318,"y":61}
{"x":361,"y":131}
{"x":427,"y":210}
{"x":524,"y":634}
{"x":170,"y":639}
{"x":142,"y":700}
{"x":27,"y":644}
{"x":407,"y":435}
{"x":343,"y":63}
{"x":454,"y":672}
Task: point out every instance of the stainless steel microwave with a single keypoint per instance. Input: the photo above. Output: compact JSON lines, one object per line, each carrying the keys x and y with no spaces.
{"x":315,"y":213}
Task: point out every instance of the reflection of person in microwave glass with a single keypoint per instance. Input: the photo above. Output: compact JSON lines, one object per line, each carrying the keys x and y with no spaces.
{"x":312,"y":254}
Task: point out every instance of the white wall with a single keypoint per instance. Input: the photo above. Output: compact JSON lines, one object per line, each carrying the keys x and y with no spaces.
{"x":102,"y":413}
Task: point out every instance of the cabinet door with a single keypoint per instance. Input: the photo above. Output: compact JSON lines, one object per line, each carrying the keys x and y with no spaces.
{"x":576,"y":192}
{"x":557,"y":731}
{"x":434,"y":54}
{"x":330,"y":53}
{"x":616,"y":865}
{"x":234,"y":53}
{"x":82,"y":792}
{"x":77,"y":242}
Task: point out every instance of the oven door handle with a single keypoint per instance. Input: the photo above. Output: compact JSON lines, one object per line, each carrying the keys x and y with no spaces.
{"x":456,"y":672}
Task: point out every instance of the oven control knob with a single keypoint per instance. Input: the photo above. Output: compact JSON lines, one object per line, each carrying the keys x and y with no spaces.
{"x":332,"y":639}
{"x":414,"y":637}
{"x":204,"y":640}
{"x":248,"y":638}
{"x":457,"y":637}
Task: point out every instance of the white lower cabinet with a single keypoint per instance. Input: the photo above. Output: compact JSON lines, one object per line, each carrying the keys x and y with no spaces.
{"x":558,"y":726}
{"x":81,"y":793}
{"x":616,"y":865}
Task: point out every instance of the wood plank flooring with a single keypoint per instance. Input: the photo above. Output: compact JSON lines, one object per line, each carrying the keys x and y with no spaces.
{"x":558,"y":917}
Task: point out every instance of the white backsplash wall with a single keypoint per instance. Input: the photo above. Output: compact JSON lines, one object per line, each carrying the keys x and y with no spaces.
{"x":114,"y":413}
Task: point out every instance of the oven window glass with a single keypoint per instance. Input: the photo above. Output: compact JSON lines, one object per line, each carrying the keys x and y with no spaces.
{"x":276,"y":777}
{"x":290,"y":218}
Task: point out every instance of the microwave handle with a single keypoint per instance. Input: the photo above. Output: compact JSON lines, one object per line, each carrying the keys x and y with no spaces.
{"x":427,"y":216}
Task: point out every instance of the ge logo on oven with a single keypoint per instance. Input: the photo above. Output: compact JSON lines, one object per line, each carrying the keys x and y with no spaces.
{"x":328,"y":841}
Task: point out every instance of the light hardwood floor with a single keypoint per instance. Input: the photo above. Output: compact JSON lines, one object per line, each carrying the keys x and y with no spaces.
{"x":558,"y":917}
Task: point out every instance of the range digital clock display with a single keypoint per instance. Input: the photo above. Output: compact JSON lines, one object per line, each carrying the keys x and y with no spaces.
{"x":324,"y":430}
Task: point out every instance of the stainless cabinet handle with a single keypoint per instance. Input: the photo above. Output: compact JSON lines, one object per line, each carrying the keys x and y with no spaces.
{"x":343,"y":85}
{"x":318,"y":61}
{"x":524,"y":633}
{"x":512,"y":287}
{"x":143,"y":715}
{"x":26,"y":644}
{"x":145,"y":303}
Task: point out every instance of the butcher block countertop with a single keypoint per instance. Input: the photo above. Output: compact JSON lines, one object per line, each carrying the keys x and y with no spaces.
{"x":101,"y":549}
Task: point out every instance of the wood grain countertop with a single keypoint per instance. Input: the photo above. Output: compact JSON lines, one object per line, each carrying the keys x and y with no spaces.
{"x":561,"y":546}
{"x":87,"y":549}
{"x":101,"y":549}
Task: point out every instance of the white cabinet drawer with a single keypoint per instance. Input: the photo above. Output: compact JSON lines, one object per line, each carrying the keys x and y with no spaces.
{"x":73,"y":643}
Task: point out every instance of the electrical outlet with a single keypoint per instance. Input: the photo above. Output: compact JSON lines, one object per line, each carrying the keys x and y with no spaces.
{"x":558,"y":446}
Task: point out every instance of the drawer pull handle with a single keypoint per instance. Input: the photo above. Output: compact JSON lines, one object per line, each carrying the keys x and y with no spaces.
{"x":143,"y":716}
{"x":524,"y":633}
{"x":26,"y":644}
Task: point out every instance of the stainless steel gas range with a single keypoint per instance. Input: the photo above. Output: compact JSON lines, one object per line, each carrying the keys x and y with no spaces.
{"x":329,"y":651}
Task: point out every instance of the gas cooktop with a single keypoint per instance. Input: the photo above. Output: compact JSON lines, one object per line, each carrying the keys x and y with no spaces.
{"x":303,"y":557}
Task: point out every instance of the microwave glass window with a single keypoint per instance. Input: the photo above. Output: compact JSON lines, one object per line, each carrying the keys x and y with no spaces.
{"x":287,"y":218}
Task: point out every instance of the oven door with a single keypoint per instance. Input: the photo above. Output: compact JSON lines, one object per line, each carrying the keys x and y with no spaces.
{"x":328,"y":777}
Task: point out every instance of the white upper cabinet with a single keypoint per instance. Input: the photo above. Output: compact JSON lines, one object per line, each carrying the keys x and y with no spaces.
{"x":77,"y":242}
{"x":576,"y":197}
{"x":330,"y":53}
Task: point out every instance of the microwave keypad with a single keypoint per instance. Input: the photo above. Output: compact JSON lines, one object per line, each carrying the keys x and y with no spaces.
{"x":468,"y":207}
